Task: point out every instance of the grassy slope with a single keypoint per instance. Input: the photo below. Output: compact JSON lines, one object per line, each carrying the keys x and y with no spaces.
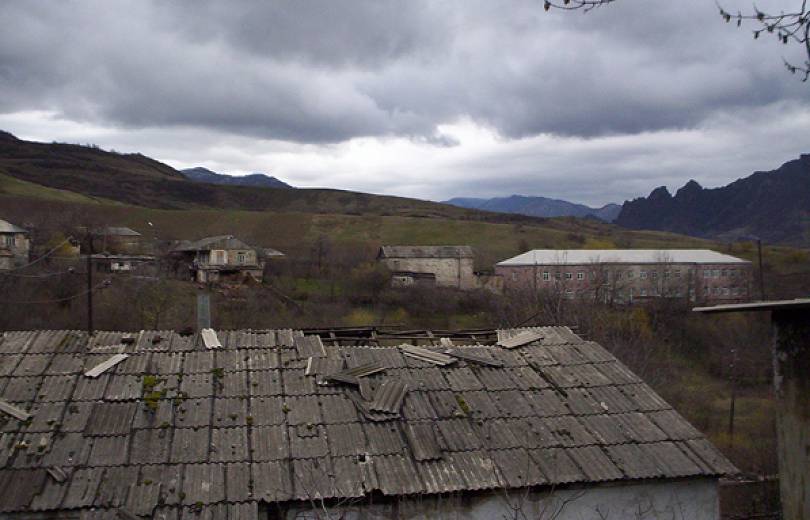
{"x":139,"y":180}
{"x":294,"y":232}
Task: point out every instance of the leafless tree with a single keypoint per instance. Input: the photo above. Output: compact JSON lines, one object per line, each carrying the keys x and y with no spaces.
{"x":789,"y":27}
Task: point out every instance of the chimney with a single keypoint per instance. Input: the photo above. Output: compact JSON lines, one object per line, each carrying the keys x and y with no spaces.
{"x":203,"y":311}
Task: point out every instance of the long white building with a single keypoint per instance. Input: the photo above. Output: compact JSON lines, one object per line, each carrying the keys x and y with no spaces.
{"x":628,"y":275}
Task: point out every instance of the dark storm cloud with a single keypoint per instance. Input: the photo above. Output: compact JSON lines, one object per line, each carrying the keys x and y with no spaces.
{"x":326,"y":72}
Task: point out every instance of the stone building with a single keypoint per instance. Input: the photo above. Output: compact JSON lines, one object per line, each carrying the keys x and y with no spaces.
{"x":442,"y":266}
{"x":15,"y":245}
{"x":218,"y":258}
{"x":118,"y":240}
{"x":631,"y":275}
{"x":274,"y":424}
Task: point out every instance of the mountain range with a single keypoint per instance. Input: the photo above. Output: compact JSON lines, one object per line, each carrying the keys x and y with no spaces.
{"x":78,"y":172}
{"x":258,"y":180}
{"x":538,"y":207}
{"x":771,"y":205}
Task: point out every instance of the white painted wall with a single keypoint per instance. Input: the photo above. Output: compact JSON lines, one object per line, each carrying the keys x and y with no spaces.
{"x":695,"y":499}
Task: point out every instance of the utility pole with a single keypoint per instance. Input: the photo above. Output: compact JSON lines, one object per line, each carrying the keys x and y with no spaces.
{"x":89,"y":283}
{"x":761,"y":275}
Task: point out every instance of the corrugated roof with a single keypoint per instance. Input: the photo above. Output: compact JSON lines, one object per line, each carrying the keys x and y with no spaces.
{"x":426,"y":252}
{"x":8,"y":227}
{"x":223,"y":429}
{"x":209,"y":243}
{"x":620,"y":256}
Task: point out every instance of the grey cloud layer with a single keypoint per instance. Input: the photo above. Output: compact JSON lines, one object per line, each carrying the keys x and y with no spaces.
{"x":326,"y":72}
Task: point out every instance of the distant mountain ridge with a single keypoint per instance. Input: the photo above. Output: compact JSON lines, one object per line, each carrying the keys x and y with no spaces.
{"x":772,"y":205}
{"x":537,"y":207}
{"x":86,"y":173}
{"x":259,"y":180}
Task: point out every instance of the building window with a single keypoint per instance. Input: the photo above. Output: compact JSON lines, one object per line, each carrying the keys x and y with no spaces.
{"x":593,"y":275}
{"x":514,"y":276}
{"x":569,"y":276}
{"x":557,"y":275}
{"x":724,"y":273}
{"x":716,"y":273}
{"x":643,"y":291}
{"x":677,"y":273}
{"x":618,"y":275}
{"x":643,"y":277}
{"x":580,"y":275}
{"x":666,"y":275}
{"x":630,"y":274}
{"x":9,"y":240}
{"x":240,"y":258}
{"x":546,"y":277}
{"x":707,"y":273}
{"x":654,"y":275}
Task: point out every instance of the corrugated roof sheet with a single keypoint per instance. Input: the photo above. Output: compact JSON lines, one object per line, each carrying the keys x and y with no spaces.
{"x":426,"y":252}
{"x":8,"y":227}
{"x":249,"y":421}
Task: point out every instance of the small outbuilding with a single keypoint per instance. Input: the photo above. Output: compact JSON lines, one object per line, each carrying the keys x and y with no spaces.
{"x":275,"y":424}
{"x":447,"y":266}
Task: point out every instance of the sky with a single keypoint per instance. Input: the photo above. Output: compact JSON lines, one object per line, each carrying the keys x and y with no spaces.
{"x":428,"y":99}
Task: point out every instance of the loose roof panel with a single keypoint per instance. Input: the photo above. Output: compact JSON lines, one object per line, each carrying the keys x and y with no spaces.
{"x":173,"y":431}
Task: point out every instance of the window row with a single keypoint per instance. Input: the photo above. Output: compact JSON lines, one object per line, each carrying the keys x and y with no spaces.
{"x":722,"y":273}
{"x":723,"y":291}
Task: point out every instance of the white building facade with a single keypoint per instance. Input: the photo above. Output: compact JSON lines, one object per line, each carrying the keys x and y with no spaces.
{"x":630,"y":275}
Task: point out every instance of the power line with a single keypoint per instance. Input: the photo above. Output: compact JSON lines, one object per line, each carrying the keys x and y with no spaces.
{"x":102,"y":285}
{"x":9,"y":272}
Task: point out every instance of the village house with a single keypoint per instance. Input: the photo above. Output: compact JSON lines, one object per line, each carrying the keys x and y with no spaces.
{"x":630,"y":275}
{"x":15,"y":246}
{"x":218,"y":258}
{"x":272,"y":424}
{"x":434,"y":266}
{"x":118,"y":240}
{"x":122,"y":250}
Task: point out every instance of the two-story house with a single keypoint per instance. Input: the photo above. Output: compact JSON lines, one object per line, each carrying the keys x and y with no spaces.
{"x":218,"y":258}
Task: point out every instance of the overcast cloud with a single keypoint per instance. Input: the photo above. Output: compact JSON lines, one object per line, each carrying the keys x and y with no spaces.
{"x":429,"y":99}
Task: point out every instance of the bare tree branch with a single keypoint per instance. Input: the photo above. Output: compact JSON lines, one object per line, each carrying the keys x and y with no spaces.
{"x":790,"y":27}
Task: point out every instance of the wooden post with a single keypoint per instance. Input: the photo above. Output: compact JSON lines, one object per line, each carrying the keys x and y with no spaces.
{"x":791,"y":381}
{"x":89,"y":283}
{"x":791,"y":365}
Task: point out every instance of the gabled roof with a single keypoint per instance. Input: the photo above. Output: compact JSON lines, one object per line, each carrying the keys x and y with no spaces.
{"x":426,"y":252}
{"x":620,"y":256}
{"x":174,"y":425}
{"x":8,"y":227}
{"x":209,"y":243}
